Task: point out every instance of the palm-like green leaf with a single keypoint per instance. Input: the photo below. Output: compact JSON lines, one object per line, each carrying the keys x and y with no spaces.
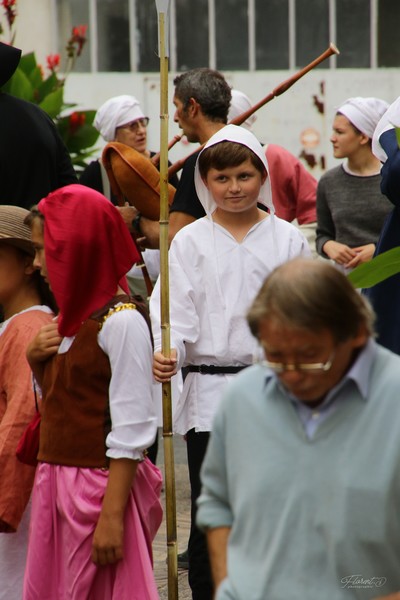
{"x":376,"y":270}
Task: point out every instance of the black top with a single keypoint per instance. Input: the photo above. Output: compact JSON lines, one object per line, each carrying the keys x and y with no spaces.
{"x":186,"y":199}
{"x":33,"y":158}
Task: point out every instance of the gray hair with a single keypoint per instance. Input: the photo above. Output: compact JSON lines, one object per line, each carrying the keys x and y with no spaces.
{"x":313,"y":295}
{"x":209,"y":88}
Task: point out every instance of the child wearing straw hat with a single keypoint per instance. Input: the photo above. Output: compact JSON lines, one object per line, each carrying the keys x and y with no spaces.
{"x":25,"y":305}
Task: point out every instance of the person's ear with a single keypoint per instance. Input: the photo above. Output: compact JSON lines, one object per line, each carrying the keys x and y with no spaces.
{"x":29,"y":268}
{"x":361,"y":337}
{"x":204,"y":180}
{"x":264,"y":178}
{"x":193,"y":107}
{"x":364,"y":139}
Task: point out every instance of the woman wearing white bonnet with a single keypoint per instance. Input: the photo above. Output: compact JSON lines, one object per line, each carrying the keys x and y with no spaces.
{"x":351,"y":209}
{"x":119,"y":119}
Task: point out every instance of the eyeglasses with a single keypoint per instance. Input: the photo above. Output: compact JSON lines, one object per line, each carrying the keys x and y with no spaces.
{"x":134,"y":125}
{"x":301,"y":367}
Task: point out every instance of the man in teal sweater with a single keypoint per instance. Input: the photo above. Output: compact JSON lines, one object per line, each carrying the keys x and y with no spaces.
{"x":301,"y":481}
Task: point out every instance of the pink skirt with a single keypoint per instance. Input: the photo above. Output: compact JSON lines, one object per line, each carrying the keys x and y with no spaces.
{"x":66,"y":505}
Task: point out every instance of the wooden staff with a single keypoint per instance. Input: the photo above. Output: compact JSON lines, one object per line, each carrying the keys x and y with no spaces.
{"x":170,"y":498}
{"x":280,"y":89}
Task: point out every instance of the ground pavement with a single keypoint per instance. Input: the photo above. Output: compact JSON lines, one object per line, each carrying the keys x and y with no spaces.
{"x":182,"y":491}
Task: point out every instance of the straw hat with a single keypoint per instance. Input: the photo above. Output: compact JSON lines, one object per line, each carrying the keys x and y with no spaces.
{"x":13,"y":229}
{"x":9,"y":61}
{"x":135,"y":178}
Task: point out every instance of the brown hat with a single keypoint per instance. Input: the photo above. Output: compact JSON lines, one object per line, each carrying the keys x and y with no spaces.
{"x":134,"y":178}
{"x":9,"y":61}
{"x":13,"y":229}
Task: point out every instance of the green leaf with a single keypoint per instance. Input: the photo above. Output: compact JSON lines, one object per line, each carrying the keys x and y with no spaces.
{"x":28,"y":63}
{"x":376,"y":270}
{"x":20,"y":86}
{"x":85,"y":137}
{"x":49,"y":85}
{"x":398,"y":135}
{"x":52,"y":103}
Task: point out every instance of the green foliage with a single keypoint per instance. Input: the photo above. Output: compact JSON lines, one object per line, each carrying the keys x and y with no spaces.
{"x":74,"y":126}
{"x":376,"y":270}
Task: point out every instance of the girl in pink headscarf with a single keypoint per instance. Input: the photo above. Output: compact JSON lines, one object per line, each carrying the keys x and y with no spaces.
{"x":96,"y":502}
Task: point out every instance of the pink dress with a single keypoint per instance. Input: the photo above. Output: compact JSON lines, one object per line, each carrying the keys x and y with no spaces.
{"x":65,"y":509}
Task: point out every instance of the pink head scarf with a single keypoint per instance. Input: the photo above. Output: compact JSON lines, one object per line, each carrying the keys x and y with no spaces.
{"x":88,"y":252}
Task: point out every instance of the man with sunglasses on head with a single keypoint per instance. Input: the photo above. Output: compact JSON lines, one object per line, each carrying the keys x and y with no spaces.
{"x":301,"y":480}
{"x":119,"y":119}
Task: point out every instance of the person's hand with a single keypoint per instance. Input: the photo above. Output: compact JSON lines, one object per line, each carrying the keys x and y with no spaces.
{"x":395,"y":596}
{"x":164,"y":368}
{"x":108,"y":538}
{"x":128,"y":213}
{"x":340,"y":253}
{"x":45,"y":343}
{"x":364,"y":254}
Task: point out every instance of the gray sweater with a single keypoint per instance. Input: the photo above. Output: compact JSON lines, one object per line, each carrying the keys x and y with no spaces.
{"x":350,"y":209}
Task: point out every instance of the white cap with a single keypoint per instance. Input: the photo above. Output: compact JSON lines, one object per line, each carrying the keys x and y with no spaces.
{"x":117,"y":111}
{"x":364,"y":113}
{"x":240,"y":103}
{"x":390,"y":119}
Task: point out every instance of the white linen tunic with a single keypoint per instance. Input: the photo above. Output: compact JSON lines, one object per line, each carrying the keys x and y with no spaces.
{"x":213,"y":281}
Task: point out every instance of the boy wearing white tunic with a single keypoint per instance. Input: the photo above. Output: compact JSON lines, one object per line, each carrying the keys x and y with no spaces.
{"x":217,"y":266}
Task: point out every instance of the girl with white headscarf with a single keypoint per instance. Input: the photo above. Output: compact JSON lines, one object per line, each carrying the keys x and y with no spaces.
{"x":216,"y":267}
{"x":350,"y":207}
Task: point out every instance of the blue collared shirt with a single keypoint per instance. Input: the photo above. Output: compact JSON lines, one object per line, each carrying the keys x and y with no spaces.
{"x":311,"y":418}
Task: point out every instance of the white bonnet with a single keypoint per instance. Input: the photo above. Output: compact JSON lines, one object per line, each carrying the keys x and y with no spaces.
{"x":239,"y":104}
{"x":115,"y":112}
{"x":234,"y":133}
{"x":364,"y":113}
{"x":390,"y":119}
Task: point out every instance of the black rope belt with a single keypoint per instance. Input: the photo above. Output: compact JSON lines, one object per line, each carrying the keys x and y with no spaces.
{"x":213,"y":369}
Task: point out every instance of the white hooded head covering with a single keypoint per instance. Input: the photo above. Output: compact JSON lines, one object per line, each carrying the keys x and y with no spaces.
{"x":239,"y":104}
{"x":390,"y":119}
{"x":115,"y":112}
{"x":364,"y":113}
{"x":234,"y":133}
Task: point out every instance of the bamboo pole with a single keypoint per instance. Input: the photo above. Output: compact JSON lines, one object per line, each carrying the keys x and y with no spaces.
{"x":169,"y":463}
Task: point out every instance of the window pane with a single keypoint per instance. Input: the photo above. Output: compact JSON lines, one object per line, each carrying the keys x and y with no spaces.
{"x":272,"y":34}
{"x":312,"y":31}
{"x":147,"y":36}
{"x":192,"y":34}
{"x":231,"y":26}
{"x":353,"y":33}
{"x":70,"y":14}
{"x":388,"y":33}
{"x":113,"y":35}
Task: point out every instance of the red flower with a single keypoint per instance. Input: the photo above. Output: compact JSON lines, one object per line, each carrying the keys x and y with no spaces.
{"x":10,"y":8}
{"x":53,"y":62}
{"x":78,"y":38}
{"x":76,"y":121}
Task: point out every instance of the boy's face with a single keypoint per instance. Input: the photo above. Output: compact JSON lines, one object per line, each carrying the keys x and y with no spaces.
{"x":38,"y":243}
{"x":235,"y":189}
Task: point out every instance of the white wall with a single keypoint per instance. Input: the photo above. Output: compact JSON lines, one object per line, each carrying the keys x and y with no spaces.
{"x":283,"y":121}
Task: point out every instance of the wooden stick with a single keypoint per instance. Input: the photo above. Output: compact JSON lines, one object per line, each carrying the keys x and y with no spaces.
{"x":170,"y":497}
{"x":280,"y":89}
